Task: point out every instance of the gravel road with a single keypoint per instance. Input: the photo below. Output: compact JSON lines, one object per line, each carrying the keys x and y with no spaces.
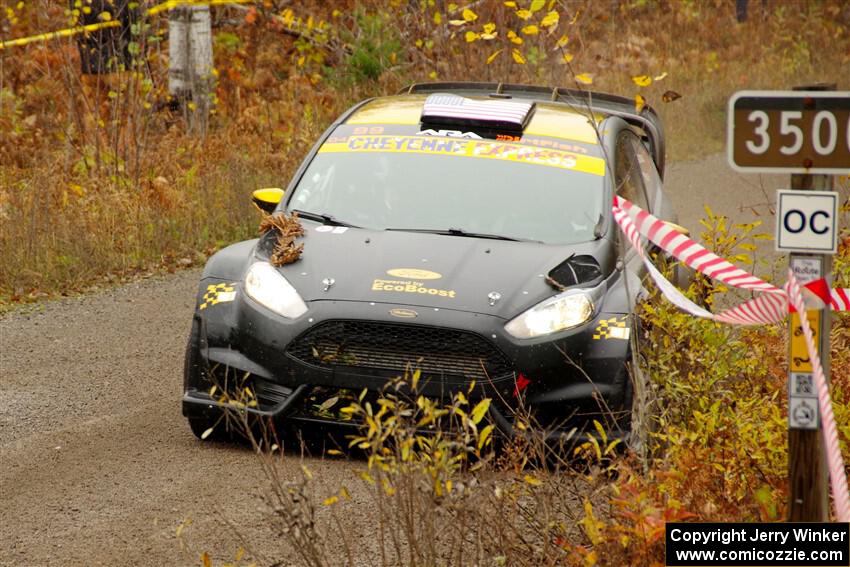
{"x":97,"y":466}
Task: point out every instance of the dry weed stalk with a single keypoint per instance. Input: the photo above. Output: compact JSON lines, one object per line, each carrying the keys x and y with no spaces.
{"x":288,"y":228}
{"x":431,"y":464}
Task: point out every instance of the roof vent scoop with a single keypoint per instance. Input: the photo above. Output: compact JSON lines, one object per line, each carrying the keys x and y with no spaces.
{"x":454,"y":110}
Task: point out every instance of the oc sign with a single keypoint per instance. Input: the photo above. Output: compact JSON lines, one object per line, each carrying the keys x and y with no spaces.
{"x":806,"y":221}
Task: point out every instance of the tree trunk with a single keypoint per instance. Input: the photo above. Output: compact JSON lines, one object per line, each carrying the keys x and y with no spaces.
{"x":190,"y":78}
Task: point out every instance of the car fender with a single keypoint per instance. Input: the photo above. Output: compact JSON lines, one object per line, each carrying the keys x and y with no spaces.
{"x":624,"y":291}
{"x":230,"y":263}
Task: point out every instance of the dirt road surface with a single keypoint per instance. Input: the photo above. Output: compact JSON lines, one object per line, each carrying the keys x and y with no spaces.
{"x":98,"y":467}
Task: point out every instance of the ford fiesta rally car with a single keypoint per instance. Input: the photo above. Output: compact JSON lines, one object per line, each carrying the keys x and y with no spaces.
{"x":462,"y":229}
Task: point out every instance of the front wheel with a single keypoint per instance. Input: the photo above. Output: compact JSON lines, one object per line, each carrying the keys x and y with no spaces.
{"x":200,"y":426}
{"x":192,"y":378}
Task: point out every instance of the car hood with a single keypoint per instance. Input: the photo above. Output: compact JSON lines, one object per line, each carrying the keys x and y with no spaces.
{"x":423,"y":270}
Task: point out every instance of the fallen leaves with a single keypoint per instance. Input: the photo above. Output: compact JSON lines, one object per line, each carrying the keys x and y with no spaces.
{"x":670,"y":96}
{"x":550,"y":20}
{"x":493,"y":56}
{"x":288,"y":228}
{"x":584,"y":78}
{"x":489,"y":31}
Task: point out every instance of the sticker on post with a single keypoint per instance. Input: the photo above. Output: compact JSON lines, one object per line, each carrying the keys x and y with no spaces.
{"x":801,"y":385}
{"x":806,"y":268}
{"x":802,"y":413}
{"x":800,"y":360}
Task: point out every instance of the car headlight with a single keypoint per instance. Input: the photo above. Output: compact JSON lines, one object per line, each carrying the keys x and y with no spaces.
{"x":563,"y":311}
{"x":265,"y":285}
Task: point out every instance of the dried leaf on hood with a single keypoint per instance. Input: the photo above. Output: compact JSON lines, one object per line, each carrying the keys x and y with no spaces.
{"x":288,"y":228}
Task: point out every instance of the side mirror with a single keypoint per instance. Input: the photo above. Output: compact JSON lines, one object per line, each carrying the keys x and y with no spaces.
{"x":267,"y":199}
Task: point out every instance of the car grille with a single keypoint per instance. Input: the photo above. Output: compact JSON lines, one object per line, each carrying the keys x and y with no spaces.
{"x":393,"y":348}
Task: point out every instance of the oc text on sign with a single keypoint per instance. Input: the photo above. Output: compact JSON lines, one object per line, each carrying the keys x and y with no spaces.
{"x":806,"y":221}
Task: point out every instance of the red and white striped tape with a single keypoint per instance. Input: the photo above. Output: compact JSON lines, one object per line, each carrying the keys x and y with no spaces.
{"x":772,"y":306}
{"x":834,"y":460}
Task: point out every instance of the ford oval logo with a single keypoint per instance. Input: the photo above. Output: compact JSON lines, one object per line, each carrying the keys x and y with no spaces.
{"x":414,"y":274}
{"x":404,"y":313}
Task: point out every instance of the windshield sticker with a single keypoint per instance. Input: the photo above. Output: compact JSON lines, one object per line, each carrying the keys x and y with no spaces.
{"x":548,"y":157}
{"x":410,"y":287}
{"x":363,"y":130}
{"x":331,"y":229}
{"x":414,"y":274}
{"x":543,"y":143}
{"x":218,"y":293}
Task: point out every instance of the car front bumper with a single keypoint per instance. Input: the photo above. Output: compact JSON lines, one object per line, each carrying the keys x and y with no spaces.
{"x":563,"y":380}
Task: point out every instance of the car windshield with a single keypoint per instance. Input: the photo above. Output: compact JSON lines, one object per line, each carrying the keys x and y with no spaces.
{"x":440,"y":191}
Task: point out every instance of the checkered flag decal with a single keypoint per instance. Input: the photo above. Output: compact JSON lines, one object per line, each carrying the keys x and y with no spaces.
{"x":217,"y":293}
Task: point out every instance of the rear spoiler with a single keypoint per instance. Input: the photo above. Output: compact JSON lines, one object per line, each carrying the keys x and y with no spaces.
{"x":613,"y":105}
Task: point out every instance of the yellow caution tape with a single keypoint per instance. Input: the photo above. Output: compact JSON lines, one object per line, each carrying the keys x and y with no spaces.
{"x":76,"y":30}
{"x":171,"y":4}
{"x":60,"y":33}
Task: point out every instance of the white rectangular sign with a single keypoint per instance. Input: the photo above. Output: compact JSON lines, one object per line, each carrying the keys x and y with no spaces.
{"x":802,"y":413}
{"x":801,"y":385}
{"x":807,"y":221}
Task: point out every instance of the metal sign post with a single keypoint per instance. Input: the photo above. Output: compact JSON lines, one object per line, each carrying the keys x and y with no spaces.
{"x":805,"y":132}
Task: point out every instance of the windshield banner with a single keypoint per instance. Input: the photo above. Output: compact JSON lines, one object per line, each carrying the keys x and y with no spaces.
{"x":485,"y":149}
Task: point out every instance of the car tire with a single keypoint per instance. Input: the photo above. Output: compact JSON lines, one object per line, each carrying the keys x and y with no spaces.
{"x":642,"y":418}
{"x":200,"y":425}
{"x":191,"y":369}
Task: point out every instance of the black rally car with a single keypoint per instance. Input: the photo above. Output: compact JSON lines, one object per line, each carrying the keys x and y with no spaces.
{"x":463,"y":229}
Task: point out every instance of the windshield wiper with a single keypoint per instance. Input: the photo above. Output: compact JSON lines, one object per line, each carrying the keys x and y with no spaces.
{"x":461,"y":232}
{"x":597,"y":228}
{"x":323,"y":217}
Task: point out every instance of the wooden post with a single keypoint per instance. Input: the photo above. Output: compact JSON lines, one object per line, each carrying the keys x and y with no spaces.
{"x":807,"y":474}
{"x":741,"y":10}
{"x":190,"y":78}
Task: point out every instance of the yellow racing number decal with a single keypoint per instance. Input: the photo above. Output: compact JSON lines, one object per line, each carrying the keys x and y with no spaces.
{"x":410,"y":287}
{"x":218,"y":293}
{"x":482,"y":149}
{"x":613,"y":328}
